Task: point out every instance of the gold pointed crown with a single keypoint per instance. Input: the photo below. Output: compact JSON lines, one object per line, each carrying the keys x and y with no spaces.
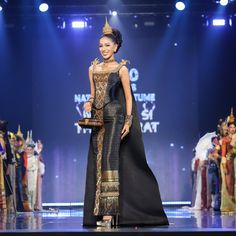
{"x":231,"y":117}
{"x":11,"y":135}
{"x":19,"y":133}
{"x":107,"y":28}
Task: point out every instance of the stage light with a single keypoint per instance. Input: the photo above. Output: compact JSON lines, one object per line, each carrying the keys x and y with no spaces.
{"x":0,"y":8}
{"x":218,"y":22}
{"x":224,"y":2}
{"x":114,"y":13}
{"x":79,"y":24}
{"x":43,"y":7}
{"x":180,"y":6}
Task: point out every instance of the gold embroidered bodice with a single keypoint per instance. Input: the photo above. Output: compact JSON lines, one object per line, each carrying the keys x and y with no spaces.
{"x":100,"y":78}
{"x":100,"y":82}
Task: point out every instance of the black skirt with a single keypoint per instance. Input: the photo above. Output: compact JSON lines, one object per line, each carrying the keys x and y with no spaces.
{"x":139,"y":197}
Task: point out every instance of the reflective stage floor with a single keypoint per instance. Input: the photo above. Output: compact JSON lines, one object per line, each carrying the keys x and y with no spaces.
{"x":183,"y":221}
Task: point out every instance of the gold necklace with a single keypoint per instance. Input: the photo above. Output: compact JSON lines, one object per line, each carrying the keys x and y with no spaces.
{"x":108,"y":61}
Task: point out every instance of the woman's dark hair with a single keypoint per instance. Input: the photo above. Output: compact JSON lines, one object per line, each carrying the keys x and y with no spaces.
{"x":116,"y":37}
{"x":232,"y":123}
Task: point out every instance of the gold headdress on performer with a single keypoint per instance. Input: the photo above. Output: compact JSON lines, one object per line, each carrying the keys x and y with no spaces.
{"x":106,"y":28}
{"x":29,"y":141}
{"x":19,"y":133}
{"x":231,"y":118}
{"x":11,"y":135}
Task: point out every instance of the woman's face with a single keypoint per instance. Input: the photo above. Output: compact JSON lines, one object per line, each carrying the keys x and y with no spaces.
{"x":107,"y":47}
{"x":29,"y":150}
{"x":232,"y":129}
{"x":224,"y":129}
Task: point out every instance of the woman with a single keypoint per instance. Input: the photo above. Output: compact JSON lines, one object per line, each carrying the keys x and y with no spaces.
{"x":120,"y":187}
{"x":228,"y":170}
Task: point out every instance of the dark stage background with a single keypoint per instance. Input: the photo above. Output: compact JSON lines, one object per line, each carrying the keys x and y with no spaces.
{"x":182,"y":77}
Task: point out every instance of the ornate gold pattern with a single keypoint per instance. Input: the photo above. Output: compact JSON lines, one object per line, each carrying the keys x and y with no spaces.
{"x":107,"y":28}
{"x":129,"y":120}
{"x":98,"y":114}
{"x":109,"y":206}
{"x":100,"y":81}
{"x":109,"y":199}
{"x":124,"y":62}
{"x":99,"y":170}
{"x":95,"y":62}
{"x":110,"y":189}
{"x":110,"y":175}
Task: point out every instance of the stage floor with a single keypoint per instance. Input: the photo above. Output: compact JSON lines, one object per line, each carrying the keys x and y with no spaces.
{"x":182,"y":220}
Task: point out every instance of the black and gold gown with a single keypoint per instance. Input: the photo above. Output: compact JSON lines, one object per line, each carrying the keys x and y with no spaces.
{"x":119,"y":181}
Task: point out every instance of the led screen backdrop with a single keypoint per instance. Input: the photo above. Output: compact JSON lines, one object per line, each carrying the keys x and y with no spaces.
{"x":164,"y":82}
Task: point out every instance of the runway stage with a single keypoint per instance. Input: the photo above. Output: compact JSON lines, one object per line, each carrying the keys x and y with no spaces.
{"x":183,"y":221}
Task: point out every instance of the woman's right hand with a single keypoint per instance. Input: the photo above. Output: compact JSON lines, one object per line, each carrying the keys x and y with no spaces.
{"x":88,"y":106}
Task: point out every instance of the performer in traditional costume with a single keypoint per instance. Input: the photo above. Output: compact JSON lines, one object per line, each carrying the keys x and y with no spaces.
{"x":6,"y":160}
{"x":31,"y":164}
{"x":233,"y":144}
{"x":214,"y":174}
{"x":119,"y":184}
{"x":12,"y":173}
{"x":41,"y":171}
{"x":20,"y":169}
{"x":203,"y":196}
{"x":194,"y":170}
{"x":228,"y":168}
{"x":3,"y":203}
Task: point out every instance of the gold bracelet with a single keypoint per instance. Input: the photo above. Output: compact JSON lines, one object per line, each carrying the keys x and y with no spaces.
{"x":129,"y":119}
{"x":91,"y":99}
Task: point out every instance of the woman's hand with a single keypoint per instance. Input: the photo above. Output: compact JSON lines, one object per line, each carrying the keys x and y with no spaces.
{"x":125,"y":130}
{"x":88,"y":106}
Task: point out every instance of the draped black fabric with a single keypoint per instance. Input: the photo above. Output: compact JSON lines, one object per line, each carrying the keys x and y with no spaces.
{"x":139,"y":199}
